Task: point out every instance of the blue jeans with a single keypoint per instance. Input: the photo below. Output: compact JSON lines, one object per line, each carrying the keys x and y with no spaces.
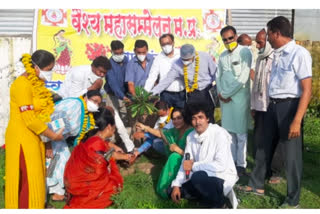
{"x":153,"y":141}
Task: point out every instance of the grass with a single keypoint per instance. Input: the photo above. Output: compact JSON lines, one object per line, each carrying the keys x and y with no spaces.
{"x":139,"y":187}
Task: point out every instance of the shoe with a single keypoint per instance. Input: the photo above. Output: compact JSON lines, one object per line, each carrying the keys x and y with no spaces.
{"x":275,"y":180}
{"x":248,"y":189}
{"x":285,"y":205}
{"x":241,"y":171}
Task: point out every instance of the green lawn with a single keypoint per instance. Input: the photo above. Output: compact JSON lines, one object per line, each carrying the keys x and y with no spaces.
{"x":139,"y":192}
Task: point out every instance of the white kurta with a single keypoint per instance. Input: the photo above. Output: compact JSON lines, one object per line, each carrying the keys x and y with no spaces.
{"x":233,"y":81}
{"x":211,"y":152}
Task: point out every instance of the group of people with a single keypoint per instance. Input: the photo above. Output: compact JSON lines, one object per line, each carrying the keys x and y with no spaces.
{"x":205,"y":160}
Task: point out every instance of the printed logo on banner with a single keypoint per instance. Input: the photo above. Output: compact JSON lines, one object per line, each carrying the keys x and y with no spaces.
{"x":212,"y":21}
{"x":54,"y":17}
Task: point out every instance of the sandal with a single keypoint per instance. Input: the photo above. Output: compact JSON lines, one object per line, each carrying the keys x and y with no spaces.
{"x":248,"y":189}
{"x":275,"y":180}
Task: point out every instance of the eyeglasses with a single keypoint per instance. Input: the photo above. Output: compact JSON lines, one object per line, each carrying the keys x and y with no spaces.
{"x":228,"y":39}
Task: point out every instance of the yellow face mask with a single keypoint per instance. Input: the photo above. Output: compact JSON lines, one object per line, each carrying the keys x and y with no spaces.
{"x":231,"y":46}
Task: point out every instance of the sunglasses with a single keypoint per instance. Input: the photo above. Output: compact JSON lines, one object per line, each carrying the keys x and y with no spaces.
{"x":228,"y":39}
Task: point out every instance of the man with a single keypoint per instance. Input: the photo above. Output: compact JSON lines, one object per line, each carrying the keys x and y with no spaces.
{"x":174,"y":94}
{"x":197,"y":70}
{"x":290,"y":94}
{"x":81,"y":79}
{"x":151,"y":135}
{"x":115,"y":86}
{"x":244,"y":40}
{"x":234,"y":92}
{"x":138,"y":68}
{"x":211,"y":167}
{"x":260,"y":101}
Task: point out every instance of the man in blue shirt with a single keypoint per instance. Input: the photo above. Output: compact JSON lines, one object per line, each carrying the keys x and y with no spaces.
{"x":115,"y":86}
{"x":289,"y":95}
{"x":138,"y":68}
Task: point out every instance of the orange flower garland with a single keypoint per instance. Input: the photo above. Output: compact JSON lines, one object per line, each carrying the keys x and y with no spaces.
{"x":40,"y":91}
{"x":195,"y":77}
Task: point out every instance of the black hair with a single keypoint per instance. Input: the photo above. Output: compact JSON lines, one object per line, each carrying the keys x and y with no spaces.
{"x":165,"y":35}
{"x":116,"y":45}
{"x":227,"y":28}
{"x":192,"y":109}
{"x":42,"y":58}
{"x":183,"y":114}
{"x":92,"y":93}
{"x":161,"y":105}
{"x":280,"y":24}
{"x":102,"y":119}
{"x":140,"y":43}
{"x":102,"y":61}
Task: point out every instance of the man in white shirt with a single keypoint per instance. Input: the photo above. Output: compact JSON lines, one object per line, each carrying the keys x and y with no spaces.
{"x":211,"y":167}
{"x":174,"y":94}
{"x":83,"y":78}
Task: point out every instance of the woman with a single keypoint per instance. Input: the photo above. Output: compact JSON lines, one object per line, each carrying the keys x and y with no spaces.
{"x":176,"y":139}
{"x":78,"y":114}
{"x":30,"y":108}
{"x":90,"y":178}
{"x":63,"y":52}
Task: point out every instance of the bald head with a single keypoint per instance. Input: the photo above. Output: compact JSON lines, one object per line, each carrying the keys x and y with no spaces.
{"x":244,"y":39}
{"x":261,"y":39}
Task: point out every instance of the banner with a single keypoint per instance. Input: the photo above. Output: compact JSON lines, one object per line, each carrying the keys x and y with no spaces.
{"x":77,"y":36}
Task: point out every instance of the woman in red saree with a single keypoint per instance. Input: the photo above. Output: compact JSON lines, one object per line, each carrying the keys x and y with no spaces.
{"x":90,"y":178}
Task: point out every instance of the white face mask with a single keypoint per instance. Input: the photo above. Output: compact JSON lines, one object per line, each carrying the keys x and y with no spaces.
{"x":118,"y":58}
{"x":186,"y":63}
{"x":167,"y":49}
{"x":46,"y":75}
{"x":92,"y":107}
{"x":141,"y":58}
{"x":93,"y":77}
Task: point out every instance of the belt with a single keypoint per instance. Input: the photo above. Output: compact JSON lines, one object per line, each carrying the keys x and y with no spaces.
{"x":281,"y":100}
{"x":173,"y":92}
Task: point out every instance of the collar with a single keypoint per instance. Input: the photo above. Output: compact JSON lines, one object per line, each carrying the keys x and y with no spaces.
{"x":287,"y":48}
{"x":200,"y":138}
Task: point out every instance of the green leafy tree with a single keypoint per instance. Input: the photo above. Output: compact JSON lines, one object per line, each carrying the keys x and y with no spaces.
{"x":143,"y":103}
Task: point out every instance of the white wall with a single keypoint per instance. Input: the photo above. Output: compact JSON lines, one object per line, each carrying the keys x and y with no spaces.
{"x":11,"y":50}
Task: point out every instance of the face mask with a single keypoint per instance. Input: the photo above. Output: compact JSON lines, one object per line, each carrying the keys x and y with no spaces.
{"x":118,"y":58}
{"x":92,"y":107}
{"x":231,"y":46}
{"x":141,"y":58}
{"x":186,"y":63}
{"x":167,"y":49}
{"x":46,"y":75}
{"x":93,"y":77}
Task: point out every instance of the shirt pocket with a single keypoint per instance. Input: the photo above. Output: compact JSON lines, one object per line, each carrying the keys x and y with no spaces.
{"x":236,"y":68}
{"x":286,"y":76}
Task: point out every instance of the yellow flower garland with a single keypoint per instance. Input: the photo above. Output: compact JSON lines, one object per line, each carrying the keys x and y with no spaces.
{"x":40,"y":91}
{"x":84,"y":130}
{"x":195,"y":77}
{"x":161,"y":125}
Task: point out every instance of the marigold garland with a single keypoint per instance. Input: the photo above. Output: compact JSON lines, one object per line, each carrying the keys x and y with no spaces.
{"x":161,"y":125}
{"x":40,"y":91}
{"x":195,"y":77}
{"x":84,"y":128}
